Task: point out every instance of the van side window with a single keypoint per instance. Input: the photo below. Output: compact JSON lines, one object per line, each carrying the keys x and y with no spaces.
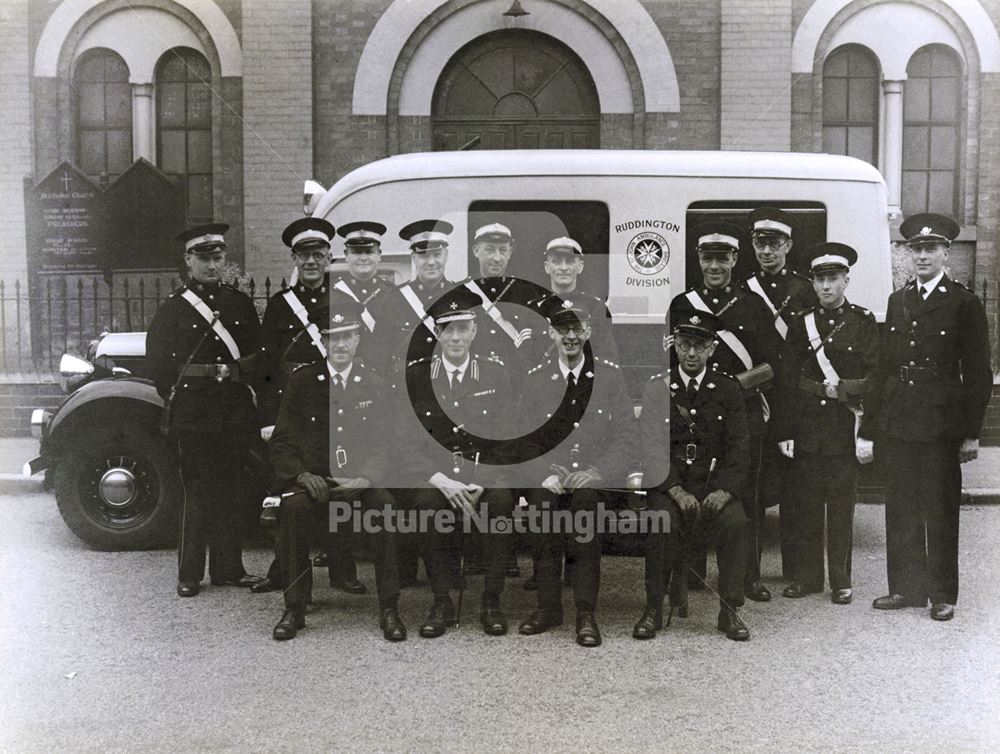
{"x":810,"y":219}
{"x":534,"y":223}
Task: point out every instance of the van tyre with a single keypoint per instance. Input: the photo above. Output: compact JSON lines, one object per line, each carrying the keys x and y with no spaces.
{"x":119,"y":488}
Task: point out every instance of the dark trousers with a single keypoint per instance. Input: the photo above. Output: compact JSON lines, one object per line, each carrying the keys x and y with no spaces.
{"x":826,"y":491}
{"x":727,"y":531}
{"x":211,"y":465}
{"x":547,"y":549}
{"x":778,"y":488}
{"x":435,"y":546}
{"x":753,"y":503}
{"x":301,"y":518}
{"x":923,"y":495}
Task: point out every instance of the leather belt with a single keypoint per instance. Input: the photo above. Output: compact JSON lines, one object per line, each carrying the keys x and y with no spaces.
{"x":842,"y":391}
{"x":217,"y":372}
{"x":909,"y":374}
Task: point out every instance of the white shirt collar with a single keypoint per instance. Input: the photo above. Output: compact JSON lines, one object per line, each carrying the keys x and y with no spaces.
{"x":932,"y":283}
{"x":460,"y":367}
{"x":700,"y":377}
{"x":346,"y":373}
{"x":564,"y":368}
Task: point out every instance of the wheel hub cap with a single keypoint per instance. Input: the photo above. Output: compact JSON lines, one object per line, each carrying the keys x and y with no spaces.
{"x":117,"y":487}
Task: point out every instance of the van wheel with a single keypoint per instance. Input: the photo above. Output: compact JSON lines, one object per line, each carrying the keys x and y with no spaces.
{"x":120,"y":489}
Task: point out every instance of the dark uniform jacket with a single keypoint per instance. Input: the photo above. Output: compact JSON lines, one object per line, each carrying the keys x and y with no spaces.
{"x":479,"y":405}
{"x":602,"y":339}
{"x":380,"y":300}
{"x":789,"y":292}
{"x":511,"y":298}
{"x":317,"y":421}
{"x":820,"y":423}
{"x":279,"y":355}
{"x":403,"y":325}
{"x":945,"y":339}
{"x":596,"y":419}
{"x":204,"y":404}
{"x":719,"y":432}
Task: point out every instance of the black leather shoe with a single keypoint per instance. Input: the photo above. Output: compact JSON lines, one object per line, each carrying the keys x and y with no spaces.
{"x":539,"y":622}
{"x":321,"y":560}
{"x":841,"y":596}
{"x":732,"y":625}
{"x":393,"y":628}
{"x":351,"y":586}
{"x":757,"y":592}
{"x":795,"y":590}
{"x":246,"y":580}
{"x":290,"y":624}
{"x":264,"y":586}
{"x":942,"y":611}
{"x":441,"y":616}
{"x":188,"y":588}
{"x":650,"y":622}
{"x":531,"y":584}
{"x":493,"y":620}
{"x":587,"y":633}
{"x":896,"y":602}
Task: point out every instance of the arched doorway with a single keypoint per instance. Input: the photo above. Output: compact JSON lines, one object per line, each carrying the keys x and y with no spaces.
{"x":515,"y":90}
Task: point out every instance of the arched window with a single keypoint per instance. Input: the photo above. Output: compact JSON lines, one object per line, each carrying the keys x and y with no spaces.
{"x":850,"y":103}
{"x":103,"y":114}
{"x":932,"y":106}
{"x":184,"y":127}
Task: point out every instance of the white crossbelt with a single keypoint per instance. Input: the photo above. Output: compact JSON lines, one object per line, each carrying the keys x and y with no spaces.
{"x":727,"y":336}
{"x":496,"y":316}
{"x":418,"y":308}
{"x":310,"y":327}
{"x":830,"y":375}
{"x":366,"y":317}
{"x":220,"y":329}
{"x":779,"y":324}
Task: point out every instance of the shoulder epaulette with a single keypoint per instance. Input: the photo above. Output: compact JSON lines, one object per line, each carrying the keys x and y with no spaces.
{"x":658,"y":376}
{"x":495,"y":359}
{"x":306,"y":365}
{"x":424,"y":360}
{"x":859,"y":308}
{"x":538,"y":366}
{"x":609,"y":363}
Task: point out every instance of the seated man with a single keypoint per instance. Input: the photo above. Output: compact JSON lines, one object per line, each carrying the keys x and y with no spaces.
{"x":695,"y":471}
{"x":584,"y":446}
{"x":334,"y":400}
{"x":460,"y":398}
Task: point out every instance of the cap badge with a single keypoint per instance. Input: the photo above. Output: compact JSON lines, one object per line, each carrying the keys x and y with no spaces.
{"x":925,"y":231}
{"x":453,"y":305}
{"x":338,"y":318}
{"x":567,"y":304}
{"x":695,"y":320}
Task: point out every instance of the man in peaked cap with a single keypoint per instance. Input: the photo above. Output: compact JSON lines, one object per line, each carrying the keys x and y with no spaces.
{"x":461,"y":400}
{"x":826,"y":381}
{"x":363,"y":255}
{"x":786,"y":293}
{"x":934,"y":382}
{"x":327,"y":446}
{"x":747,"y":343}
{"x":588,"y":443}
{"x":201,"y":350}
{"x":695,"y":460}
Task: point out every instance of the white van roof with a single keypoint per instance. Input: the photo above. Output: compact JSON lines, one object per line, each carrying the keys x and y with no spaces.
{"x":596,"y":162}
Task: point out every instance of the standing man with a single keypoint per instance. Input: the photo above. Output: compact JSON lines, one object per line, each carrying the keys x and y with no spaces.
{"x":289,"y":340}
{"x":786,"y":294}
{"x":459,"y":398}
{"x":748,"y":346}
{"x":328,"y":446}
{"x":934,"y":382}
{"x":695,"y":459}
{"x":586,"y":448}
{"x":363,"y":255}
{"x":201,"y":349}
{"x":826,"y":379}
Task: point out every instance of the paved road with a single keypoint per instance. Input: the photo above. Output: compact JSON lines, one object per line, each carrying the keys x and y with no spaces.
{"x":98,"y":654}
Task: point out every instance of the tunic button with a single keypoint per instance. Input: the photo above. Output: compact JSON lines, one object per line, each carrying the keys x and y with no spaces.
{"x":913,"y":364}
{"x":774,"y":285}
{"x":822,"y":403}
{"x":456,"y":404}
{"x":913,"y":323}
{"x":694,"y":411}
{"x":312,"y":300}
{"x":455,"y":430}
{"x":832,"y":322}
{"x":218,"y":358}
{"x":428,"y":413}
{"x":576,"y":465}
{"x":340,"y":411}
{"x":340,"y":429}
{"x":911,"y":383}
{"x":312,"y":418}
{"x":576,"y":424}
{"x":573,"y":402}
{"x":715,"y":300}
{"x":912,"y":344}
{"x":430,"y":340}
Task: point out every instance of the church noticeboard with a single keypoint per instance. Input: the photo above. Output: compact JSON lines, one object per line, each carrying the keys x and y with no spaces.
{"x":64,"y":213}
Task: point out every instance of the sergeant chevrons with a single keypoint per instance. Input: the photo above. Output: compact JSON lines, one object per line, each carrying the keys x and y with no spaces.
{"x":507,"y":331}
{"x":175,"y":332}
{"x":785,"y":293}
{"x":820,"y":423}
{"x":279,"y":355}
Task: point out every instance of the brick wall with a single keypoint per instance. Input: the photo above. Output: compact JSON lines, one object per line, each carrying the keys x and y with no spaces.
{"x":17,"y":400}
{"x":278,"y":128}
{"x":991,"y":424}
{"x":15,"y":135}
{"x":756,"y":59}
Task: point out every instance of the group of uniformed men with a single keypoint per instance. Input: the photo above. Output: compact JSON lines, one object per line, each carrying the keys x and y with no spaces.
{"x":354,"y":381}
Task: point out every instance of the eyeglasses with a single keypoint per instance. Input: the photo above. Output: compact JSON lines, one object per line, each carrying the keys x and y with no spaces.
{"x":769,"y":242}
{"x":566,"y":330}
{"x":315,"y":256}
{"x":691,"y":347}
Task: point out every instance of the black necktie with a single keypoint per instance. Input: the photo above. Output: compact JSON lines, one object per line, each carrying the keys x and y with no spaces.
{"x":692,"y":390}
{"x":339,"y":381}
{"x":571,"y":380}
{"x":925,"y":291}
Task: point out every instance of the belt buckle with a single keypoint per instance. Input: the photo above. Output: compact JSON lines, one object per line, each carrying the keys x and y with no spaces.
{"x":222,"y":372}
{"x":690,"y":453}
{"x":830,"y":390}
{"x":341,"y":457}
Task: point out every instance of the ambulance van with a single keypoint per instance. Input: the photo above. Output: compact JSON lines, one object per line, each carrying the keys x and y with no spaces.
{"x":631,"y":211}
